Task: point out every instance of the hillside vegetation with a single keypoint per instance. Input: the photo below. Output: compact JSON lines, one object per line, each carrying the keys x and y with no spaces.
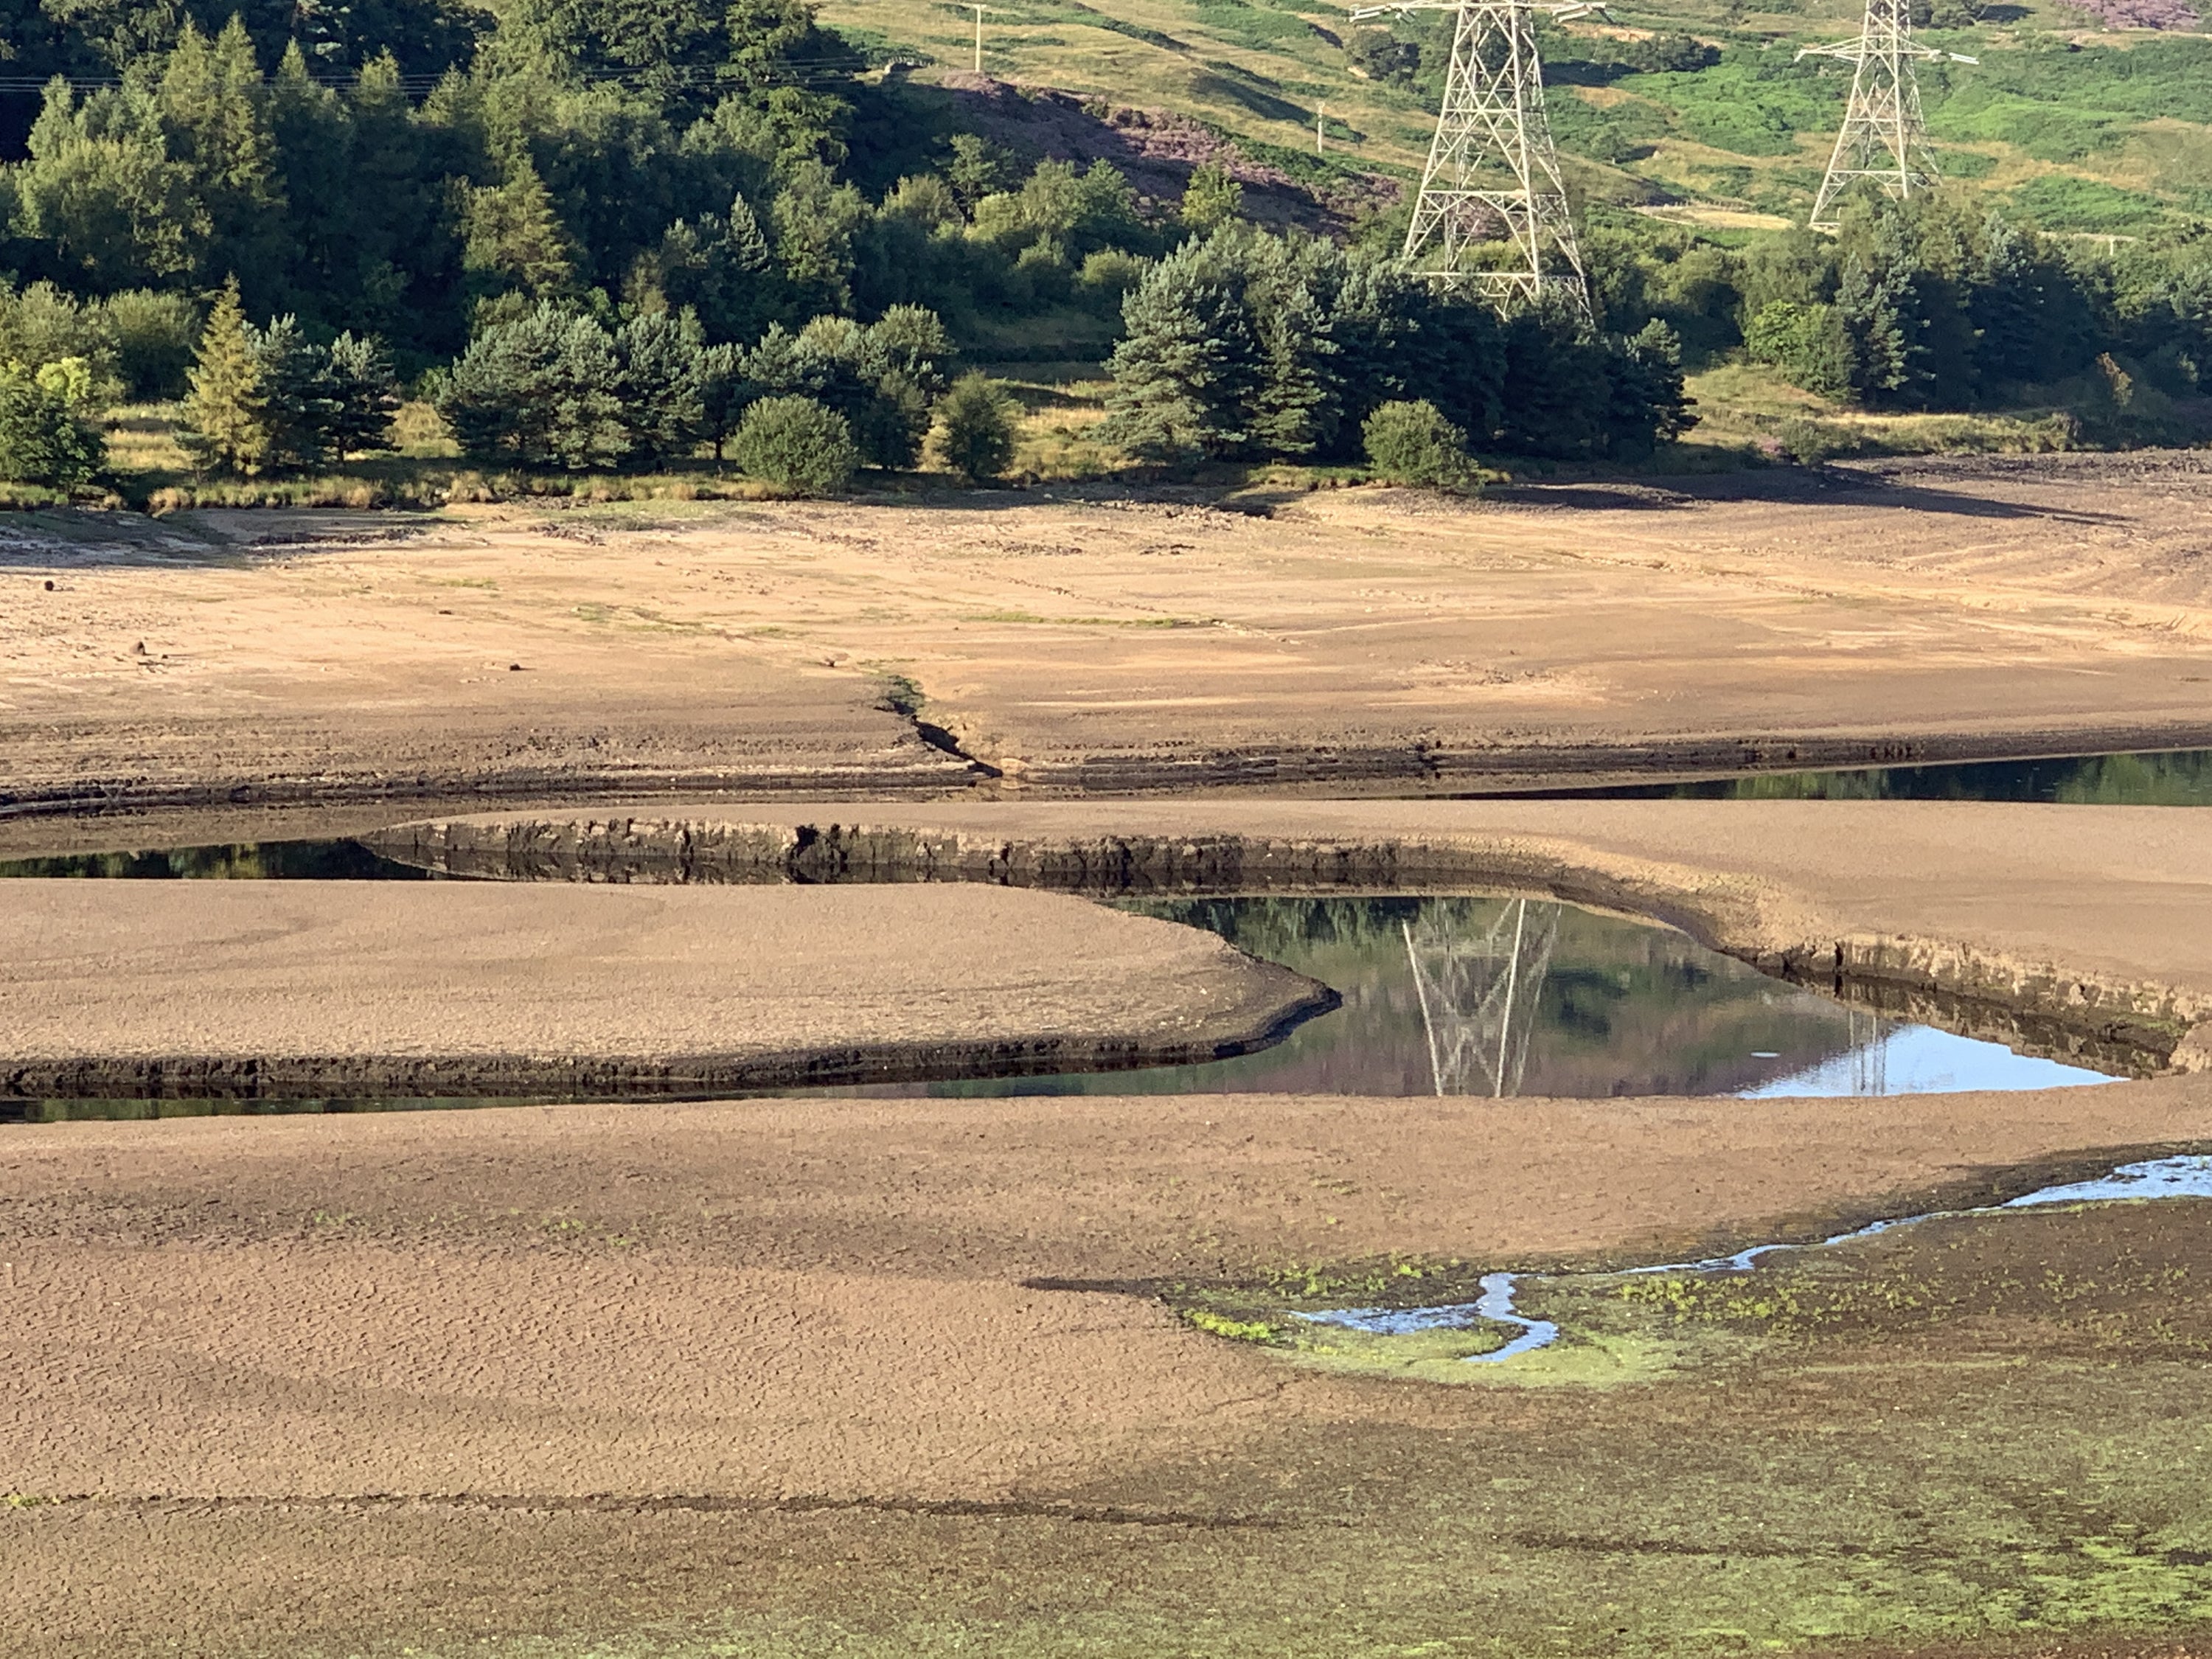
{"x":2070,"y":126}
{"x":572,"y":238}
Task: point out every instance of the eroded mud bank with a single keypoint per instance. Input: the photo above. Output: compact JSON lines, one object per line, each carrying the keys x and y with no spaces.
{"x":351,"y":989}
{"x":2130,"y":1025}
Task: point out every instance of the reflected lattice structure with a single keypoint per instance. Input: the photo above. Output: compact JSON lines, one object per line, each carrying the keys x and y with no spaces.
{"x":1492,"y":175}
{"x":1868,"y":1035}
{"x":1478,"y":992}
{"x":1884,"y":137}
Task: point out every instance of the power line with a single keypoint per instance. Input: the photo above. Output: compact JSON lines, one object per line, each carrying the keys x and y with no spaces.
{"x":1491,"y":163}
{"x":1884,"y":136}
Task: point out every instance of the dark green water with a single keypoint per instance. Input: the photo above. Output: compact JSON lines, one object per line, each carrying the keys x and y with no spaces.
{"x":2180,"y":777}
{"x":267,"y":860}
{"x":1460,"y":996}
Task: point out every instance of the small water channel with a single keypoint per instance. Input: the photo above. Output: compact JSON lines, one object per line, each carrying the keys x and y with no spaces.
{"x":2186,"y":1175}
{"x":1502,"y":997}
{"x":1453,"y":995}
{"x":2175,"y":777}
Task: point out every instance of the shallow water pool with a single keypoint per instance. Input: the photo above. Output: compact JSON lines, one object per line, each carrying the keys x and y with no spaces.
{"x":1504,"y":996}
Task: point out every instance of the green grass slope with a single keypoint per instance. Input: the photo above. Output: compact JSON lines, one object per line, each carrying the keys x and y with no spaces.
{"x":2074,"y":127}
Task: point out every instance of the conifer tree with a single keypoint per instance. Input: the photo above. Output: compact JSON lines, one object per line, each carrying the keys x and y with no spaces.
{"x":724,"y":393}
{"x":299,"y":404}
{"x":1189,"y":366}
{"x":513,"y":238}
{"x":657,"y":380}
{"x":225,"y":426}
{"x":365,"y":395}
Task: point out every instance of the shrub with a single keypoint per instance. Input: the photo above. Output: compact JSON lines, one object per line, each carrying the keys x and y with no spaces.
{"x":1410,"y":443}
{"x":1807,"y":342}
{"x":44,"y":325}
{"x":880,"y":378}
{"x":1809,"y":443}
{"x":978,"y":433}
{"x":797,"y":444}
{"x":43,"y":438}
{"x":1211,"y":198}
{"x":155,"y":334}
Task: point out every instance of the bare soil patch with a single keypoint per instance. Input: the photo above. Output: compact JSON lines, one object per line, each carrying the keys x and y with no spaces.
{"x":649,"y":1379}
{"x":344,"y":988}
{"x":1364,"y":639}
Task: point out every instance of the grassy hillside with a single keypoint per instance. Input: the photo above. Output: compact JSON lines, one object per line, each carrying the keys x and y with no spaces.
{"x":2074,"y":127}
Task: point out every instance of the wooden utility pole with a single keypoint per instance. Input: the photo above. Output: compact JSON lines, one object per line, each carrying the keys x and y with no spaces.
{"x":1321,"y":119}
{"x":979,"y":38}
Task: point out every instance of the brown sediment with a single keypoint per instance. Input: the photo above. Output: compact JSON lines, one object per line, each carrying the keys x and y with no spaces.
{"x":258,"y":989}
{"x":2090,"y":923}
{"x":1356,"y":640}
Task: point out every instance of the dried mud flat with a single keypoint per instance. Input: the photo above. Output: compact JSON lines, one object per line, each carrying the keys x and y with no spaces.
{"x":768,"y":1378}
{"x":851,"y":1378}
{"x":860,"y":1378}
{"x":1359,"y":640}
{"x":348,"y":989}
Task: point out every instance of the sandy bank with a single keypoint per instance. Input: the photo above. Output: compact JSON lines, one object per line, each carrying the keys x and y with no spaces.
{"x":1342,"y":640}
{"x":2096,"y":919}
{"x":412,"y":988}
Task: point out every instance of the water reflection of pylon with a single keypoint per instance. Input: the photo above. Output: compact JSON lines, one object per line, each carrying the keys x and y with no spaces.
{"x":1479,"y":993}
{"x":1869,"y":1033}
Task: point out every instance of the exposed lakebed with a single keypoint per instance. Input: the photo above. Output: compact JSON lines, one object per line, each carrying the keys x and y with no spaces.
{"x":1497,"y":1329}
{"x":1451,"y":996}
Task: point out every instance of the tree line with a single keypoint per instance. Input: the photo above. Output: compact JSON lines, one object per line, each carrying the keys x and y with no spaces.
{"x":1935,"y":304}
{"x":600,"y":233}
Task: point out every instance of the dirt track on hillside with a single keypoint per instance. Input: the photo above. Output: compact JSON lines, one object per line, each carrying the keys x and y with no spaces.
{"x":1364,"y":639}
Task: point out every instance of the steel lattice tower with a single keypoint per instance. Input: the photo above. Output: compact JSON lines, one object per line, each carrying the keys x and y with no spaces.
{"x":1492,"y":175}
{"x":1883,"y":137}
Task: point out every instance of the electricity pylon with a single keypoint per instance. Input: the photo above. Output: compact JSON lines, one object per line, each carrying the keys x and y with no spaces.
{"x":1492,"y":174}
{"x":1883,"y":137}
{"x":1479,"y":995}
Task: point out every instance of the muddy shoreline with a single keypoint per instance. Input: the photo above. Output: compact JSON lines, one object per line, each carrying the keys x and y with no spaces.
{"x":1414,"y":771}
{"x":2058,"y":1011}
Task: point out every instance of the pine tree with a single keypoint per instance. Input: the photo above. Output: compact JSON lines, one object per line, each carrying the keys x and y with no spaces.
{"x":513,"y":238}
{"x":1869,"y":306}
{"x":1190,"y":366}
{"x":1297,"y":405}
{"x":539,"y":391}
{"x":721,"y":270}
{"x":2008,"y":307}
{"x":816,"y":220}
{"x":225,"y":426}
{"x":724,"y":393}
{"x":657,"y":381}
{"x":213,"y":106}
{"x":366,"y":395}
{"x":300,"y":405}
